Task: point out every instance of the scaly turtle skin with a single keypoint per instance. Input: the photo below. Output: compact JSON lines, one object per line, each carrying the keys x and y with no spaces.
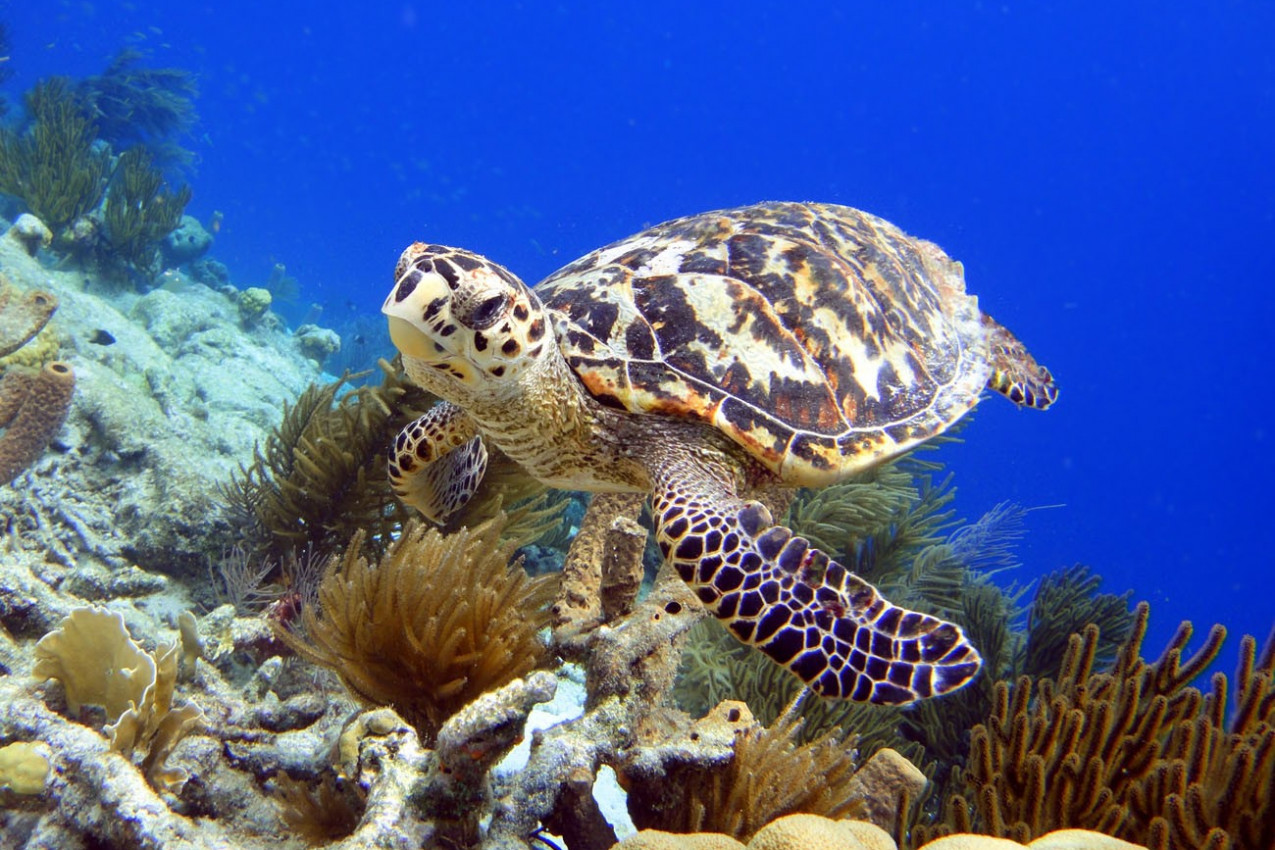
{"x":780,"y":343}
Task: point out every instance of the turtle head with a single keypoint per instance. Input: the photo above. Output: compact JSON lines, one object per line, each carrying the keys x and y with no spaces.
{"x":460,"y":318}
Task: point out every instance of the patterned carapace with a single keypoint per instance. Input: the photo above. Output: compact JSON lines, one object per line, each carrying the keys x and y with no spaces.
{"x":817,"y":337}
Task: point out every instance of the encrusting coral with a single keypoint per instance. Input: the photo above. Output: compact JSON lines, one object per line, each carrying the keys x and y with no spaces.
{"x":1135,"y":753}
{"x":24,"y":767}
{"x":98,"y":663}
{"x":438,"y":621}
{"x":791,"y":832}
{"x":1062,"y":839}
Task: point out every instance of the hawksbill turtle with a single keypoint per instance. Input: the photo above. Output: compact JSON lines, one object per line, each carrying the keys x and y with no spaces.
{"x":782,"y":343}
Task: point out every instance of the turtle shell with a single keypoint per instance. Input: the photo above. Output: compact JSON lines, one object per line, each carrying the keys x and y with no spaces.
{"x":819,"y":338}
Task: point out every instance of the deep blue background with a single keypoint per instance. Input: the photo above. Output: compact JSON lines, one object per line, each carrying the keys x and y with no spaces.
{"x":1105,"y":171}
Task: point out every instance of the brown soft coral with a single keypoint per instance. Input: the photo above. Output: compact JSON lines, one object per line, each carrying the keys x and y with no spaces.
{"x":1136,"y":753}
{"x":439,"y":620}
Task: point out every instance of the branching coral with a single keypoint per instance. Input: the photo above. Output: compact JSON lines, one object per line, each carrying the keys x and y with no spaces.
{"x":54,"y":167}
{"x":140,"y":212}
{"x":439,"y":620}
{"x":1136,"y":753}
{"x":1066,"y":601}
{"x":321,"y":474}
{"x":135,"y":105}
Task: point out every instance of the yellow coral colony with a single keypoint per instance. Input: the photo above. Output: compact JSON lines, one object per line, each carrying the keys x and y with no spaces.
{"x":23,"y":768}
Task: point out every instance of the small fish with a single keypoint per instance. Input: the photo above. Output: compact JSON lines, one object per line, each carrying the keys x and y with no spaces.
{"x":101,"y":337}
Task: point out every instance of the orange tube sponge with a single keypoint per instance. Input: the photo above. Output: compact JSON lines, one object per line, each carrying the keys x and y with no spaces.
{"x":33,"y":406}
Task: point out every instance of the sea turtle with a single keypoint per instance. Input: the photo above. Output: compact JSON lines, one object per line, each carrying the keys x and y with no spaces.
{"x":781,"y":343}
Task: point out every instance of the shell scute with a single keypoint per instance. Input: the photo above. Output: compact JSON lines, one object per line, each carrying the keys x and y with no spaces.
{"x":818,"y":338}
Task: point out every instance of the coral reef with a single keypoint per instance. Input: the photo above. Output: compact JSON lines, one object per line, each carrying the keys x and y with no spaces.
{"x":762,"y":777}
{"x":156,"y":421}
{"x":278,"y":754}
{"x":53,"y":167}
{"x":1136,"y":753}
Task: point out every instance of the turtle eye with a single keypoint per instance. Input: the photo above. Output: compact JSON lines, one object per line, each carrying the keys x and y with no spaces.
{"x":487,"y":312}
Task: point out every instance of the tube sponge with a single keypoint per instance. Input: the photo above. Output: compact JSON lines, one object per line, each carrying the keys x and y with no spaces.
{"x":22,"y":315}
{"x":33,"y":406}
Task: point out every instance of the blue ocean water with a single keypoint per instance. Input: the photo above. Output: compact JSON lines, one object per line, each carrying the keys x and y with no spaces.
{"x":1105,"y":171}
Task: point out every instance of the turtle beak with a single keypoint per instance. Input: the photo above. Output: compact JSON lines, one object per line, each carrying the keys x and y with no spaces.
{"x":410,"y":340}
{"x":418,"y":308}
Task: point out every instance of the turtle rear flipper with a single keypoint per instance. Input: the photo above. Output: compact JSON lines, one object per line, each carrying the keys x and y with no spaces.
{"x":1015,"y":373}
{"x":437,"y":462}
{"x":773,"y":590}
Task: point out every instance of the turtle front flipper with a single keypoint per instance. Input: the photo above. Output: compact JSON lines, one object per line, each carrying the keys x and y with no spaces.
{"x":1015,"y":373}
{"x":773,"y":590}
{"x":437,"y":462}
